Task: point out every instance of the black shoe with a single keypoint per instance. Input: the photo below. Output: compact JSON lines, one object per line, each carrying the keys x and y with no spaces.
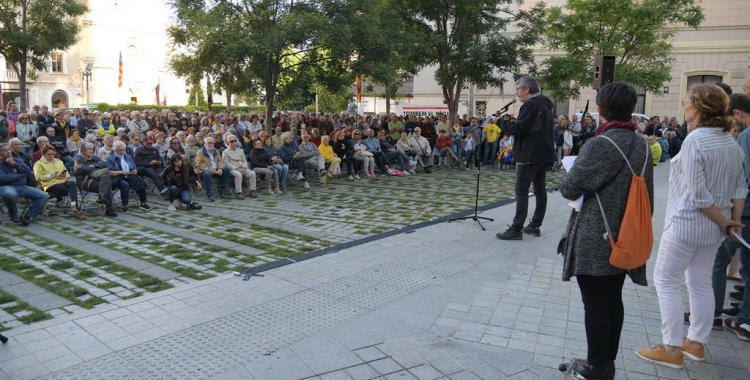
{"x":532,"y":231}
{"x":197,"y":206}
{"x":220,"y":193}
{"x":427,"y":170}
{"x":110,"y":213}
{"x":211,"y":199}
{"x":589,"y":372}
{"x":25,"y":220}
{"x":732,"y":312}
{"x":146,"y":207}
{"x":125,"y":210}
{"x":736,"y":296}
{"x":101,"y":200}
{"x":3,"y":339}
{"x":15,"y":219}
{"x":510,"y":234}
{"x":610,"y":367}
{"x":740,"y":288}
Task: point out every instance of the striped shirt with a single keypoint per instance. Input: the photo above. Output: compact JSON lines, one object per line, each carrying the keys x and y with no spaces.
{"x":707,"y":171}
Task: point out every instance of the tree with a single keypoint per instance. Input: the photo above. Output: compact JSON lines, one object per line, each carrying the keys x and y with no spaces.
{"x":249,"y":43}
{"x":637,"y":32}
{"x":465,"y":40}
{"x":196,"y":87}
{"x":30,"y":30}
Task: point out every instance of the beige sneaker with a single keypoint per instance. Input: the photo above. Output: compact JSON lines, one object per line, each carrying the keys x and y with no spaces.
{"x":659,"y":355}
{"x":694,"y":353}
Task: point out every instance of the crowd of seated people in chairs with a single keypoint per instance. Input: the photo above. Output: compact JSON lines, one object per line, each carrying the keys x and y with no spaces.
{"x":78,"y":155}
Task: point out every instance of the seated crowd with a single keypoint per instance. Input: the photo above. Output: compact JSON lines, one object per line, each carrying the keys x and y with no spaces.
{"x":71,"y":154}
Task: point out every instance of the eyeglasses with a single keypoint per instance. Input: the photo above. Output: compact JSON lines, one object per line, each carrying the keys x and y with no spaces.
{"x":23,"y":118}
{"x":231,"y":141}
{"x":105,"y":118}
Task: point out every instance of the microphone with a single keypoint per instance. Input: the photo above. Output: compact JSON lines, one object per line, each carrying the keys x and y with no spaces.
{"x":505,"y":107}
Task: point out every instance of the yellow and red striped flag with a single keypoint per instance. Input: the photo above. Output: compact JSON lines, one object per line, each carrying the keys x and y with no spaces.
{"x":119,"y":76}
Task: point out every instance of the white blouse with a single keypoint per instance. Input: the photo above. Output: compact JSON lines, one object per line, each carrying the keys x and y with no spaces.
{"x":707,"y":171}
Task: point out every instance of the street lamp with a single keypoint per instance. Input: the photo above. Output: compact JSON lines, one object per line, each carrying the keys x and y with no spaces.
{"x":87,"y":74}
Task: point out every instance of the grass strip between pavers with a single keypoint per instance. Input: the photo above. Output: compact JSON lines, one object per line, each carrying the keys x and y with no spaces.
{"x":35,"y":316}
{"x":204,"y":252}
{"x":141,"y":280}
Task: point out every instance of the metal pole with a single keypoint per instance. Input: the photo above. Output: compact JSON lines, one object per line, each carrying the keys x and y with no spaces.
{"x":472,"y":88}
{"x":88,"y":94}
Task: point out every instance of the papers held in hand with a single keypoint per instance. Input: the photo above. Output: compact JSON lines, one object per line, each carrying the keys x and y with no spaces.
{"x":740,"y":239}
{"x":567,"y":163}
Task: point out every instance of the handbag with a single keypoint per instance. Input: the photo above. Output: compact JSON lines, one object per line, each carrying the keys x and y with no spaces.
{"x":98,"y":173}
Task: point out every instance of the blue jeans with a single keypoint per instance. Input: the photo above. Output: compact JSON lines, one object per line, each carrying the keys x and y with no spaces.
{"x":282,"y":170}
{"x":10,"y":195}
{"x":400,"y":156}
{"x":468,"y":157}
{"x":719,"y":278}
{"x":123,"y":184}
{"x":490,"y":152}
{"x":184,"y":195}
{"x":68,"y":162}
{"x":208,"y":180}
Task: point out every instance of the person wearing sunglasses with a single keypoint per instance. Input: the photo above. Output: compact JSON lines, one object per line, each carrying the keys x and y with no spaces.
{"x":234,"y":157}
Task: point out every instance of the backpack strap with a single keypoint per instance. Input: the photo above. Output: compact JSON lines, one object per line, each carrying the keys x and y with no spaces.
{"x":627,"y":161}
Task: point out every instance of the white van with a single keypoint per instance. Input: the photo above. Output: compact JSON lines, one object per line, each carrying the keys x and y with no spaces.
{"x":641,"y":119}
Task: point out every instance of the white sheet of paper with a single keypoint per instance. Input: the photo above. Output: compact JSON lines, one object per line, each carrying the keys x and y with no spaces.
{"x":567,"y":163}
{"x":740,"y":239}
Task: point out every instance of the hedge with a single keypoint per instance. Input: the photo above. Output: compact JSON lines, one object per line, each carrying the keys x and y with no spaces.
{"x":106,"y":107}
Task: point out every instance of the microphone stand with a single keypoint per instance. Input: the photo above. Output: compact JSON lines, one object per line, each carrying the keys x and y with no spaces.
{"x":475,"y":217}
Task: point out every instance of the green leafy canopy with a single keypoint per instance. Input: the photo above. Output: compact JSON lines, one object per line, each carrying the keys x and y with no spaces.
{"x":637,"y":32}
{"x":30,"y":30}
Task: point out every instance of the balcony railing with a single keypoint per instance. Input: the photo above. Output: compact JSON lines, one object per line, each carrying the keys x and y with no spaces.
{"x":9,"y":75}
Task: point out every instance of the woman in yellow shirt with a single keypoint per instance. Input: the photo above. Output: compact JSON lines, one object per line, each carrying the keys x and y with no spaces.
{"x":326,"y":150}
{"x":53,"y":178}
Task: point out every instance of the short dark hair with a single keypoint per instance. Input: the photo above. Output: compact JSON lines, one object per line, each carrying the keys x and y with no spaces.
{"x":724,"y":87}
{"x":617,"y":101}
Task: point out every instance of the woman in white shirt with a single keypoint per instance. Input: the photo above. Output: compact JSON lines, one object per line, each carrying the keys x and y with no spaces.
{"x":707,"y":189}
{"x":567,"y":137}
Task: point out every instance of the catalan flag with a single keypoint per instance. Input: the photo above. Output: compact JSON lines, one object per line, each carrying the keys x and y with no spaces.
{"x":119,"y":76}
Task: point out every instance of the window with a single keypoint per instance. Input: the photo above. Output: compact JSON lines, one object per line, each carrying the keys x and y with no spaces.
{"x":702,"y":79}
{"x":57,"y":63}
{"x":640,"y":104}
{"x":480,"y":109}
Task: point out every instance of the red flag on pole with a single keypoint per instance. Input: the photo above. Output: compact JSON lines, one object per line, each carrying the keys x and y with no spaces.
{"x":119,"y":70}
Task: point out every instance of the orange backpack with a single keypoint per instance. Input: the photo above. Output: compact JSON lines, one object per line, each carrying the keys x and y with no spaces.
{"x":636,"y":236}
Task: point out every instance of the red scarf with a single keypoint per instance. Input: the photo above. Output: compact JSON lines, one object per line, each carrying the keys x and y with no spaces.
{"x":617,"y":124}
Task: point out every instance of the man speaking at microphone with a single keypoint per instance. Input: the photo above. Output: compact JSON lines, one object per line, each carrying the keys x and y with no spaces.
{"x":533,"y":152}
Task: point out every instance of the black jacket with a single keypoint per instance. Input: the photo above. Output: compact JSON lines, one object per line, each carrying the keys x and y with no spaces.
{"x":342,"y":149}
{"x":533,"y":132}
{"x":259,"y":158}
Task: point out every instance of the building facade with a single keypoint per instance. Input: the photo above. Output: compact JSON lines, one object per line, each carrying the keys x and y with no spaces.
{"x":718,"y":51}
{"x":132,"y":29}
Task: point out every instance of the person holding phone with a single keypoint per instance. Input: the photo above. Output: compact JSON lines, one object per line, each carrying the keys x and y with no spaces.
{"x":54,"y":178}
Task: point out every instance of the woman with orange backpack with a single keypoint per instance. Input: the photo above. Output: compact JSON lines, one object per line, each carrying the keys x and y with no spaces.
{"x":605,"y":180}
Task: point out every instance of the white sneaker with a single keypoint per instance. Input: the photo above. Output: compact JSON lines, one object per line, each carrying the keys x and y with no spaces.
{"x":356,"y":176}
{"x":351,"y":178}
{"x":171,"y":207}
{"x":406,"y":172}
{"x":306,"y":185}
{"x":299,"y":177}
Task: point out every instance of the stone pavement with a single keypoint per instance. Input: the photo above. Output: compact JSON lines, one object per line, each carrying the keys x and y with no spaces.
{"x":442,"y":301}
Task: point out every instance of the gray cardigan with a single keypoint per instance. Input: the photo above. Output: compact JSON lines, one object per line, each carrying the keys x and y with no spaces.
{"x":586,"y":251}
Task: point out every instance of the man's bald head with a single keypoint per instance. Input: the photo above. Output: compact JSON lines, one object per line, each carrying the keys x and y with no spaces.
{"x":746,"y":86}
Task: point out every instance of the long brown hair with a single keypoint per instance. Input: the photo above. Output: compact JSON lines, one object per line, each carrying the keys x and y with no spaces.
{"x":711,"y":103}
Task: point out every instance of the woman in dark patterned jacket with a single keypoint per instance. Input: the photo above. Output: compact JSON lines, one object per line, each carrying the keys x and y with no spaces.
{"x":600,"y":169}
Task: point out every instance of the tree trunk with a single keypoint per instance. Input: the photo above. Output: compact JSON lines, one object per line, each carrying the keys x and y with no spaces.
{"x":229,"y":101}
{"x":269,"y":115}
{"x":22,"y":85}
{"x":387,"y":103}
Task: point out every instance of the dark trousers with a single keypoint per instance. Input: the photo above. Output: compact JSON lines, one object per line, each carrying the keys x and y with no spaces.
{"x":151,"y":172}
{"x":102,"y":186}
{"x":124,"y":186}
{"x":349,"y":162}
{"x":526,"y":174}
{"x":64,"y":189}
{"x":604,"y":313}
